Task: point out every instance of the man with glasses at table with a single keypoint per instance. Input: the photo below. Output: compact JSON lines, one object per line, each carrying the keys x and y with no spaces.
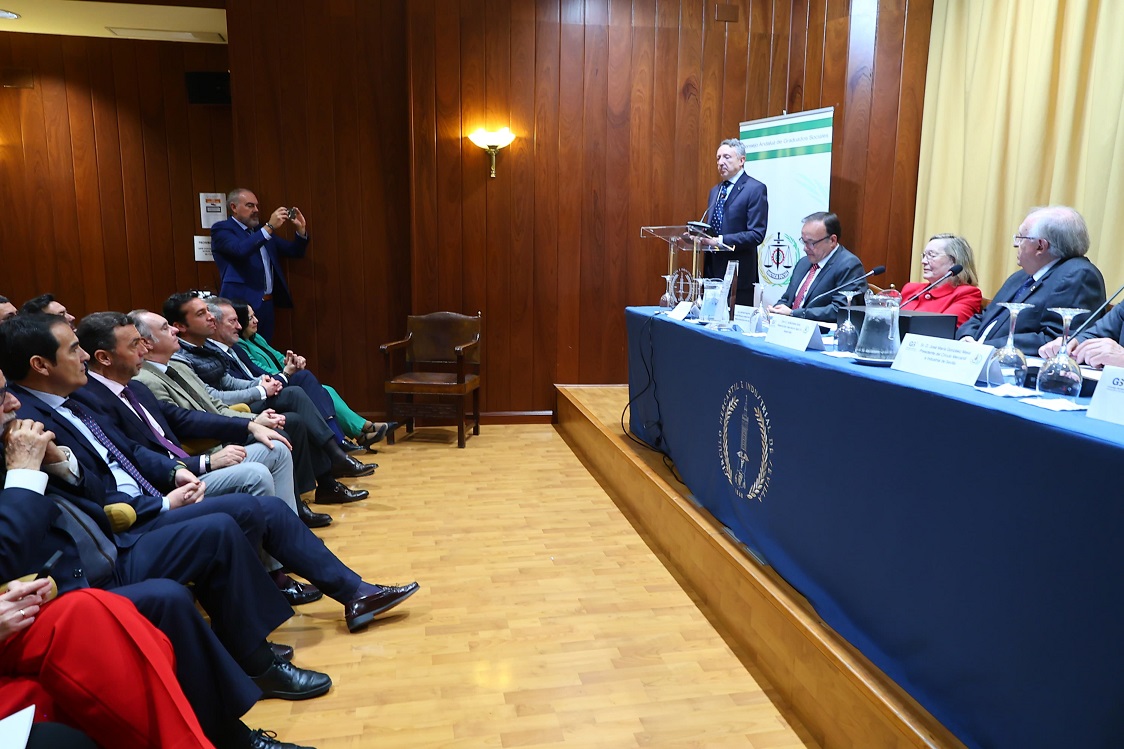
{"x":1051,"y":244}
{"x":826,"y":264}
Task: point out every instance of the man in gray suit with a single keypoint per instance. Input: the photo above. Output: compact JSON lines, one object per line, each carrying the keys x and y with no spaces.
{"x":826,"y":264}
{"x":1051,"y":244}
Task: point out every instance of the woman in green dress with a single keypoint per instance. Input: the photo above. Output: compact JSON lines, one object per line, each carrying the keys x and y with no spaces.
{"x":364,"y":431}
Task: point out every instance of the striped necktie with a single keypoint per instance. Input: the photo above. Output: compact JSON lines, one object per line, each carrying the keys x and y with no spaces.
{"x":114,"y":452}
{"x":172,"y":448}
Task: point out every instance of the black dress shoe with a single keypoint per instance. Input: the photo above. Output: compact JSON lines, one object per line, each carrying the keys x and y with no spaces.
{"x":284,"y":652}
{"x":350,"y":447}
{"x":350,"y":468}
{"x":338,"y":494}
{"x":260,"y":739}
{"x":373,"y":437}
{"x":310,"y":518}
{"x":296,"y":593}
{"x":359,"y":611}
{"x":285,"y":681}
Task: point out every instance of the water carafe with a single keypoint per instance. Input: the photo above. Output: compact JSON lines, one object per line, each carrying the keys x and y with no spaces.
{"x":879,"y":338}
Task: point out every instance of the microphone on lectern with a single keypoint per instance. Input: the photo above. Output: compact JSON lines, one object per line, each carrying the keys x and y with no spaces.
{"x":876,"y":272}
{"x":948,"y":274}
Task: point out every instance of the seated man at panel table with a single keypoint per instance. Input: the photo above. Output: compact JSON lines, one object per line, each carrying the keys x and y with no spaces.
{"x":826,"y":264}
{"x":1098,"y":345}
{"x":42,"y":355}
{"x":1051,"y":244}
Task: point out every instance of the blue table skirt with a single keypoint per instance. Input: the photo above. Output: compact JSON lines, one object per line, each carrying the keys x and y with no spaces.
{"x":968,"y":545}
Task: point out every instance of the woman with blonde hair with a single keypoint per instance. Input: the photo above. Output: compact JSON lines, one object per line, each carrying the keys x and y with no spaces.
{"x":959,"y":295}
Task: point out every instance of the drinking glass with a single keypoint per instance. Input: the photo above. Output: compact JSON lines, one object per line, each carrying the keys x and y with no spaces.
{"x":1060,"y":375}
{"x":667,"y":301}
{"x":1009,"y":361}
{"x":847,"y":335}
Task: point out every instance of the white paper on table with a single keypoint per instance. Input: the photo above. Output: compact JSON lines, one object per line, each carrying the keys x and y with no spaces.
{"x":1054,"y":404}
{"x":15,"y":729}
{"x":1006,"y":390}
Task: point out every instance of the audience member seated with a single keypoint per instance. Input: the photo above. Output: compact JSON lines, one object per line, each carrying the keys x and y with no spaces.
{"x":363,"y":431}
{"x":959,"y":295}
{"x":115,"y":681}
{"x":1050,"y":244}
{"x":7,"y":309}
{"x":47,"y":304}
{"x":1098,"y":345}
{"x":825,"y":265}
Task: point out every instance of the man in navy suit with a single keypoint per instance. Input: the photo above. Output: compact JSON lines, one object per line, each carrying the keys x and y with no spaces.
{"x":738,"y":211}
{"x":248,"y":255}
{"x":826,"y":264}
{"x":1050,"y":244}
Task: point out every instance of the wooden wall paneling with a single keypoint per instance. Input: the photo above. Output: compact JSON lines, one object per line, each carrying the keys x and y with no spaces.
{"x":759,"y":59}
{"x":665,"y":98}
{"x":474,"y":185}
{"x":734,"y":78}
{"x":797,"y":55}
{"x":16,"y":270}
{"x":849,"y":183}
{"x":621,"y":243}
{"x":647,"y":257}
{"x":111,"y":172}
{"x":450,"y":143}
{"x":548,"y":172}
{"x":135,"y":192}
{"x":423,"y":146}
{"x":571,"y":190}
{"x":778,"y":66}
{"x":907,"y":150}
{"x":814,"y":55}
{"x":711,"y":127}
{"x":87,"y":226}
{"x":156,"y":270}
{"x":180,"y":272}
{"x":593,"y":248}
{"x":38,"y":171}
{"x":687,"y":135}
{"x":498,"y":249}
{"x":878,"y":241}
{"x":521,"y":170}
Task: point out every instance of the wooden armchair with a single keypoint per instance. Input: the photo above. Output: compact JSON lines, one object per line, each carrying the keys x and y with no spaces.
{"x":433,"y":370}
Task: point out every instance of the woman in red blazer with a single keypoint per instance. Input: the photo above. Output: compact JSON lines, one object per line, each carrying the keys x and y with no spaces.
{"x":958,"y":295}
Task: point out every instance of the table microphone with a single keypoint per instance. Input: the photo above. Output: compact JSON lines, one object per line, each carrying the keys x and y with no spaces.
{"x":876,"y":272}
{"x":949,"y":274}
{"x":1095,"y":315}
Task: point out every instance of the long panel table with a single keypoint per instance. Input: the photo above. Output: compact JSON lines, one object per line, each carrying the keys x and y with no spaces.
{"x":970,"y":546}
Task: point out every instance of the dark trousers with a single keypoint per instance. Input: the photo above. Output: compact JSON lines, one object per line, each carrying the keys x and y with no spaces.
{"x":311,"y":432}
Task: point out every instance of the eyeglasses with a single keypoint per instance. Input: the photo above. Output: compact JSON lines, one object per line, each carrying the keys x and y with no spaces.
{"x":931,"y":256}
{"x":1018,"y":238}
{"x":813,"y":242}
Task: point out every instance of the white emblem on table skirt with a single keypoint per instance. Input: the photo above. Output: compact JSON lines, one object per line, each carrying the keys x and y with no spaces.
{"x":745,"y":443}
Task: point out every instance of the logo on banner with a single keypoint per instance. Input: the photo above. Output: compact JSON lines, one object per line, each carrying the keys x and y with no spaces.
{"x":779,"y":257}
{"x":746,"y":443}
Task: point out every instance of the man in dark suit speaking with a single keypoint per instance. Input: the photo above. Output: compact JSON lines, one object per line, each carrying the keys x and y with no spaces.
{"x":248,"y":255}
{"x":738,"y":213}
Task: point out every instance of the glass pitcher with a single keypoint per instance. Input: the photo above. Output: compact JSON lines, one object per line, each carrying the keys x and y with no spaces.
{"x":879,"y":338}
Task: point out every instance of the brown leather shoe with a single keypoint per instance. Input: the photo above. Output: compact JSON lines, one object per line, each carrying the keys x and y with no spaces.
{"x":338,"y":494}
{"x":359,"y":611}
{"x":296,"y":593}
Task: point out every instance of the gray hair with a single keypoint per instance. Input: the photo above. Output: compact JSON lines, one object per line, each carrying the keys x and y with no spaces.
{"x":136,"y":317}
{"x":960,"y":251}
{"x":233,"y":196}
{"x":213,"y":304}
{"x":1061,"y":226}
{"x":735,"y":144}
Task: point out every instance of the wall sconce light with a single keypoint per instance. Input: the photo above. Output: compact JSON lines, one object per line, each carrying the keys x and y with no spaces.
{"x":492,"y":142}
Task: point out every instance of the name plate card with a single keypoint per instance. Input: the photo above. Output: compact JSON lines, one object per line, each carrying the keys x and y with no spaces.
{"x":1108,"y":399}
{"x":681,"y":311}
{"x":795,"y":333}
{"x":942,"y":359}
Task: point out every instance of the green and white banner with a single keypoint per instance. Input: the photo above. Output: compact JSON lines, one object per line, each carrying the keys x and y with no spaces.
{"x":791,"y":154}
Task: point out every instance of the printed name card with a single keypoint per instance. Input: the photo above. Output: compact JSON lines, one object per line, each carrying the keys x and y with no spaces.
{"x":794,"y":333}
{"x":681,"y":311}
{"x":942,"y":359}
{"x":1108,"y":399}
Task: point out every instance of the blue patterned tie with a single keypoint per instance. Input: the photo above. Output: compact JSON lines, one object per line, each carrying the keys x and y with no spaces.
{"x":1023,"y":291}
{"x":720,"y":208}
{"x":115,"y":453}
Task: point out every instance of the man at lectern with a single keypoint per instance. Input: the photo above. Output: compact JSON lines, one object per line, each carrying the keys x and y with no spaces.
{"x":738,"y":213}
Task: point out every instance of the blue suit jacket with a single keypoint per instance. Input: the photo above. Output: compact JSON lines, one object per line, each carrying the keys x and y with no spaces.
{"x":177,"y":423}
{"x":745,"y":219}
{"x":238,"y":257}
{"x":842,"y":265}
{"x":1074,"y":282}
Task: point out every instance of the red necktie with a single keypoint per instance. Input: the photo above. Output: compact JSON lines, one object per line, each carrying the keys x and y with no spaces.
{"x":804,"y":286}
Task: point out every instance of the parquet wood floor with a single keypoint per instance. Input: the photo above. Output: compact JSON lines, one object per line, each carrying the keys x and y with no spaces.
{"x":543,"y":620}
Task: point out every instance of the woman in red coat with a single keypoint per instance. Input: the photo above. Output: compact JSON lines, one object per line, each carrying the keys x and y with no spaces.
{"x":958,"y":295}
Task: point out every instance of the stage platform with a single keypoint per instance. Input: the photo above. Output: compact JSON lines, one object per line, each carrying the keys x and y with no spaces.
{"x":833,"y":690}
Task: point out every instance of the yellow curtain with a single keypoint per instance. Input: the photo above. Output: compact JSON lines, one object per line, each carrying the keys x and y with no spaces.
{"x":1024,"y":106}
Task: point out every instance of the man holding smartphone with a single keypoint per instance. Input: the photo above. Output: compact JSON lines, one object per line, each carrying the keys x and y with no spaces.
{"x":248,"y":254}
